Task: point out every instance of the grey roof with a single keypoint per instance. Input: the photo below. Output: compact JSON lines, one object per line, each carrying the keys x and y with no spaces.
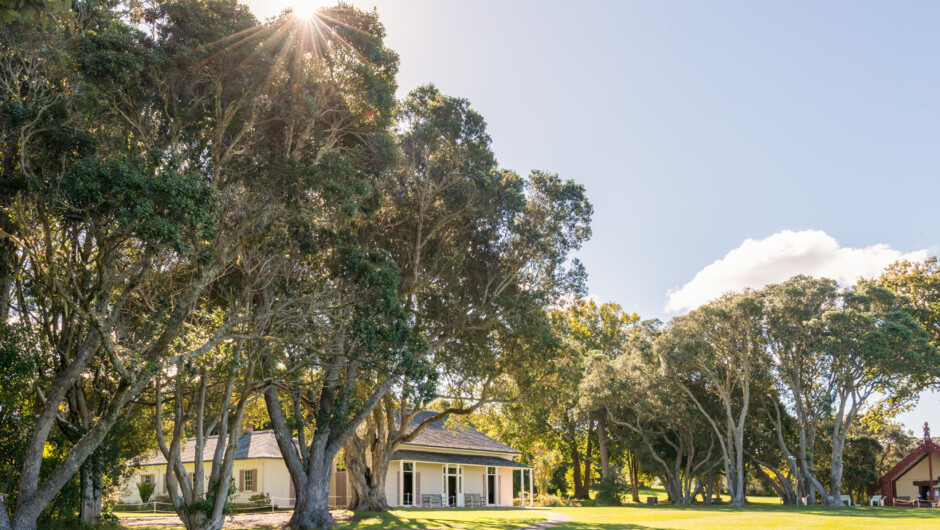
{"x":257,"y":444}
{"x":455,"y":436}
{"x":444,"y":458}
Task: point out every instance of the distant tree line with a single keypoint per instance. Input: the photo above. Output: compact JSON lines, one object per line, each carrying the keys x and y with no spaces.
{"x":790,"y":390}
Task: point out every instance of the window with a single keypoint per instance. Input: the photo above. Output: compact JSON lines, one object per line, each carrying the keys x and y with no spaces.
{"x":147,"y":479}
{"x":248,"y":480}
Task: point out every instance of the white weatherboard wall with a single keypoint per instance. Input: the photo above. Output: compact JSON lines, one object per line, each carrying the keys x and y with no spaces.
{"x":276,"y":481}
{"x":504,"y":485}
{"x":431,"y":482}
{"x":473,"y":480}
{"x":391,"y":483}
{"x":272,"y":478}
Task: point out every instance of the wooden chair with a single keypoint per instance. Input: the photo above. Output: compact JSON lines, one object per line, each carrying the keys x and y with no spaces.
{"x":472,"y":500}
{"x":431,"y":500}
{"x":877,"y":500}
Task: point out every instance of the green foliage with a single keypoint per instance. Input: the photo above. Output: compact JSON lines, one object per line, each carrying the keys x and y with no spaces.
{"x":610,"y":491}
{"x":163,"y":206}
{"x":145,"y":490}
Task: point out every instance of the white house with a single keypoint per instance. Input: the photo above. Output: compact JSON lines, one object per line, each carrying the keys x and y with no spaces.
{"x":443,"y":460}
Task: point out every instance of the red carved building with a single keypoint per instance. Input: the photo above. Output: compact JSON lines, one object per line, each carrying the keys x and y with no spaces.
{"x":912,"y":478}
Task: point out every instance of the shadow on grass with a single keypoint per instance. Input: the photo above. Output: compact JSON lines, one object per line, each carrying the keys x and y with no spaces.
{"x":487,"y":519}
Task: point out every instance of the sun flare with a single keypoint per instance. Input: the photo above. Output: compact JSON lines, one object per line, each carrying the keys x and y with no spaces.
{"x":306,"y":8}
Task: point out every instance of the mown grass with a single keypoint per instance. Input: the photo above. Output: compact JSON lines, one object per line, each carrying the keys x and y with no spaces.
{"x":761,"y":513}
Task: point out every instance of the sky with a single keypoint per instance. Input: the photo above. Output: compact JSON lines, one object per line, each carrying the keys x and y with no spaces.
{"x":723,"y":144}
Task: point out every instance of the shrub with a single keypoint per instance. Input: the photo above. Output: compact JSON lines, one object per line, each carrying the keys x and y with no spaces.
{"x":556,"y":501}
{"x":609,"y":491}
{"x":261,"y":499}
{"x":145,"y":490}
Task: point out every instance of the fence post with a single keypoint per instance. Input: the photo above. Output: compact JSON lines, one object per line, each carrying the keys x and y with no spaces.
{"x":155,"y":506}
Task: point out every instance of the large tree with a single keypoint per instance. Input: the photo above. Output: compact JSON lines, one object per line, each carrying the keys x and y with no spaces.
{"x":719,"y":350}
{"x":482,"y":253}
{"x":141,"y":155}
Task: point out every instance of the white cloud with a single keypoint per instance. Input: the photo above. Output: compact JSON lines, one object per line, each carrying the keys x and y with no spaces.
{"x":758,"y":262}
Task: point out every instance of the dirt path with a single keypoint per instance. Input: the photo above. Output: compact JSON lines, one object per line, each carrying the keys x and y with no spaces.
{"x":248,"y":520}
{"x":553,"y":519}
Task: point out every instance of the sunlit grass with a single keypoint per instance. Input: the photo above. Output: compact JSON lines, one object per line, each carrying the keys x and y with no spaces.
{"x":493,"y":519}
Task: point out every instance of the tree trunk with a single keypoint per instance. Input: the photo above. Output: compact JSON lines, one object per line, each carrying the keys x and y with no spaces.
{"x":634,"y":476}
{"x":91,"y":480}
{"x":588,"y":461}
{"x":312,"y":507}
{"x":602,"y":446}
{"x":368,"y":484}
{"x":579,"y":492}
{"x":835,"y":475}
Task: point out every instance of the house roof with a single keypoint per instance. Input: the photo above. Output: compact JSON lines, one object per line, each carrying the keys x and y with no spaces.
{"x":920,"y":452}
{"x":912,"y":459}
{"x":451,"y":435}
{"x":439,"y":435}
{"x":445,"y":458}
{"x":256,"y":444}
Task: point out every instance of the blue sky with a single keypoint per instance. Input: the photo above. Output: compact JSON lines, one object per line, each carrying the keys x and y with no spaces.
{"x":810,"y":128}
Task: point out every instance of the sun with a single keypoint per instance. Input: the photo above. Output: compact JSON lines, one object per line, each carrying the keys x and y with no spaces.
{"x":306,"y":8}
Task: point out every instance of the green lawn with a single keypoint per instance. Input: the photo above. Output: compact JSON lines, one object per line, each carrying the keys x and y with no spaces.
{"x":418,"y":518}
{"x":757,"y":516}
{"x":764,"y":512}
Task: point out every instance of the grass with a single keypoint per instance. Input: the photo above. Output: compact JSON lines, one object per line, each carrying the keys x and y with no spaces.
{"x":761,"y":513}
{"x":756,"y":516}
{"x":503,"y":519}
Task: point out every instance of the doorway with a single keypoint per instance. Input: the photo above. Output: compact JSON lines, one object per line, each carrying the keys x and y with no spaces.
{"x":408,"y":484}
{"x":453,"y":486}
{"x":491,"y":486}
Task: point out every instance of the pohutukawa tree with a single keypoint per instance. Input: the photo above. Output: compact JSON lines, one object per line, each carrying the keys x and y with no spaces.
{"x":676,"y":442}
{"x":719,"y":351}
{"x":140,"y":156}
{"x":482,"y":252}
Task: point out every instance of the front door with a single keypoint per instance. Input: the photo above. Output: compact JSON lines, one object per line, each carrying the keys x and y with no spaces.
{"x":491,"y":486}
{"x":408,"y":484}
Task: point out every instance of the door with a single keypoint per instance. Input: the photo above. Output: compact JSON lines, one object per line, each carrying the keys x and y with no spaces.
{"x":452,"y":490}
{"x":408,"y":484}
{"x":491,"y":486}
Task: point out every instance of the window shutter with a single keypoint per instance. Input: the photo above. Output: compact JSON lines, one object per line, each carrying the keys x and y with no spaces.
{"x":499,"y":488}
{"x":254,"y":480}
{"x":417,"y":489}
{"x":398,"y":486}
{"x":241,"y":480}
{"x":484,"y":485}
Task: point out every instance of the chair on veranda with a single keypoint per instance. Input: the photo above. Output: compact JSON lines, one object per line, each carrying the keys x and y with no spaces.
{"x":472,"y":500}
{"x":431,"y":500}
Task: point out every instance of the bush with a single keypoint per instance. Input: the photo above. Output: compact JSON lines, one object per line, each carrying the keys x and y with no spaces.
{"x":609,"y":491}
{"x":261,"y":499}
{"x":556,"y":501}
{"x":145,"y":490}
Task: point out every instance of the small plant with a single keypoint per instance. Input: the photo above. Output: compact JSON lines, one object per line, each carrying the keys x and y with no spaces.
{"x":556,"y":501}
{"x":609,"y":491}
{"x":261,"y":499}
{"x":145,"y":490}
